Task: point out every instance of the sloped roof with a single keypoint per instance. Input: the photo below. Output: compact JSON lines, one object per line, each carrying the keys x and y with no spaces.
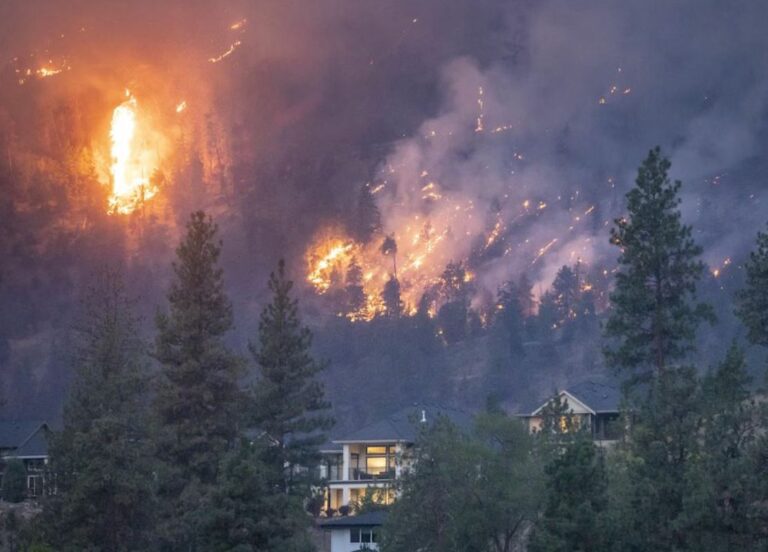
{"x":24,"y":438}
{"x":35,"y":446}
{"x":600,"y":397}
{"x":403,"y":425}
{"x":329,"y":447}
{"x":367,"y":519}
{"x":597,"y":395}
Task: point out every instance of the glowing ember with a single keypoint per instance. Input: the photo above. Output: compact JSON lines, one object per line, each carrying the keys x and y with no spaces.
{"x":542,"y":251}
{"x":47,"y":72}
{"x":226,"y":53}
{"x":238,"y":25}
{"x":129,"y":169}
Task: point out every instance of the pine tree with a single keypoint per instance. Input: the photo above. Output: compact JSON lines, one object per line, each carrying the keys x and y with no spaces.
{"x":391,"y":297}
{"x":663,"y":446}
{"x":525,"y":296}
{"x":752,"y":301}
{"x":389,"y":247}
{"x":367,"y":216}
{"x":576,"y":499}
{"x":652,"y":327}
{"x":723,"y":508}
{"x":288,"y":401}
{"x":454,"y":315}
{"x":654,"y":317}
{"x":566,"y":293}
{"x":248,"y":511}
{"x":101,"y":461}
{"x":354,"y":287}
{"x":197,"y":403}
{"x":509,"y":317}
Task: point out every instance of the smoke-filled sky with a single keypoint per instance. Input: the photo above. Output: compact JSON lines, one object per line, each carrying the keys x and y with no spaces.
{"x":513,"y":128}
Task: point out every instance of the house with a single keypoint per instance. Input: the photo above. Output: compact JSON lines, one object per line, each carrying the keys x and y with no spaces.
{"x":372,"y":459}
{"x":27,"y":441}
{"x":594,"y":405}
{"x":353,"y":533}
{"x":374,"y":456}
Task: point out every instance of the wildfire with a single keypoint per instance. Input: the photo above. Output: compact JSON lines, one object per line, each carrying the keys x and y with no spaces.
{"x":47,"y":72}
{"x":542,"y":251}
{"x":326,"y":261}
{"x":228,"y":52}
{"x":130,"y":167}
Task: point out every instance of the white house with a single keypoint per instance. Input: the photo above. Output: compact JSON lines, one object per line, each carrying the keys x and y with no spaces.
{"x":353,"y":533}
{"x":372,"y":459}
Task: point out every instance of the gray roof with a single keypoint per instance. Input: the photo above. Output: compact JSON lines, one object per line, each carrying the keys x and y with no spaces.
{"x":600,"y":396}
{"x":24,"y":438}
{"x":329,"y":447}
{"x":403,"y":425}
{"x":374,"y":518}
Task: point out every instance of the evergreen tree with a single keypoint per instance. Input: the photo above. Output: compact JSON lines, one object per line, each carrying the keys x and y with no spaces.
{"x":547,"y":321}
{"x":354,"y":287}
{"x":198,"y":399}
{"x":453,"y":317}
{"x":367,"y":216}
{"x":467,"y":493}
{"x":101,"y":461}
{"x":654,"y":312}
{"x":389,"y":247}
{"x":249,"y":512}
{"x":391,"y":297}
{"x":289,"y":401}
{"x":566,"y":294}
{"x":576,"y":500}
{"x":525,"y":296}
{"x":723,"y":510}
{"x":752,"y":301}
{"x":558,"y":420}
{"x":663,"y":446}
{"x":14,"y":488}
{"x":509,"y":317}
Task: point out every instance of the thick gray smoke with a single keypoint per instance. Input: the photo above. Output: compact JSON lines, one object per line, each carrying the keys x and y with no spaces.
{"x":553,"y":103}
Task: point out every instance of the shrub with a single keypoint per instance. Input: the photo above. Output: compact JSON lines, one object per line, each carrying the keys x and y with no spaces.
{"x":14,"y":481}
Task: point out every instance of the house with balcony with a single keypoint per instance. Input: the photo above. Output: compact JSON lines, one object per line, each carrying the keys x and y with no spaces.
{"x":593,"y":405}
{"x":372,"y":459}
{"x":27,"y":441}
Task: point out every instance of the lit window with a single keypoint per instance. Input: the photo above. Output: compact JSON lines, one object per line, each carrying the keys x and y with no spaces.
{"x":364,"y":535}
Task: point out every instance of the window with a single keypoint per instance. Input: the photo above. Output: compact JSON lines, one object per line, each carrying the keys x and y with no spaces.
{"x":364,"y":535}
{"x":380,"y":461}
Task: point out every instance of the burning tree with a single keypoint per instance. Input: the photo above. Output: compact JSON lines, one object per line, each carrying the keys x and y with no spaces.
{"x":389,"y":247}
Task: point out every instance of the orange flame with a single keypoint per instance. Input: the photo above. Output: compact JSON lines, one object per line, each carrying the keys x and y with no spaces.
{"x":130,"y":165}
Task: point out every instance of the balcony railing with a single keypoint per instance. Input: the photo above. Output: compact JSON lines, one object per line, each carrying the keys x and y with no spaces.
{"x":358,"y":474}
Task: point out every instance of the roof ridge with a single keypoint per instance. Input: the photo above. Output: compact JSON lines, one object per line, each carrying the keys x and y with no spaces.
{"x":37,"y":428}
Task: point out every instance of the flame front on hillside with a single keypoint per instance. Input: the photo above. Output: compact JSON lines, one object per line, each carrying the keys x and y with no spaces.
{"x":132,"y":164}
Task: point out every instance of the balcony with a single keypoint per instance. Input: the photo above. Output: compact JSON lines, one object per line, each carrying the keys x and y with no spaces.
{"x":359,"y":474}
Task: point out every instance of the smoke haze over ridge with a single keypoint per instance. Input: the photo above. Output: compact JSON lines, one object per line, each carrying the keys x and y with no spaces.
{"x":553,"y":102}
